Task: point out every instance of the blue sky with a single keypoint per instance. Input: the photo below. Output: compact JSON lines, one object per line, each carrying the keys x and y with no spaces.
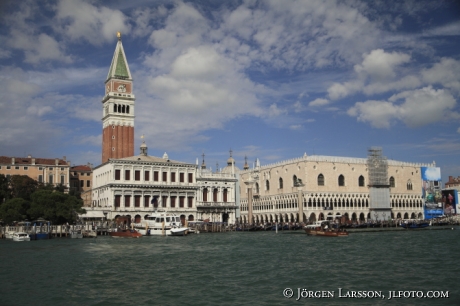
{"x":268,"y":79}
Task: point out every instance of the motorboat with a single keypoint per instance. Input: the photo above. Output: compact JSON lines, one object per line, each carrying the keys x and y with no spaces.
{"x":76,"y":234}
{"x":324,"y":228}
{"x":125,"y":233}
{"x":161,"y":223}
{"x":9,"y":234}
{"x":414,"y":224}
{"x":21,"y":236}
{"x":89,"y":234}
{"x":179,"y":231}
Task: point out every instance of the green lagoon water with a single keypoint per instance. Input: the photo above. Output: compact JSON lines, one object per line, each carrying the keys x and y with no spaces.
{"x":234,"y":268}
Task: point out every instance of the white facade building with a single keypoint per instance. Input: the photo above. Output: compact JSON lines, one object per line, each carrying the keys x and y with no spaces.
{"x":331,"y":186}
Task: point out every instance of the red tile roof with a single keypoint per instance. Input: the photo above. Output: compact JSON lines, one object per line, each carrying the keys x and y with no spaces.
{"x":80,"y":168}
{"x":28,"y":161}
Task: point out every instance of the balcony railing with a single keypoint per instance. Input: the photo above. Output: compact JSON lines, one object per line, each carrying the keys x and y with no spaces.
{"x":215,"y":204}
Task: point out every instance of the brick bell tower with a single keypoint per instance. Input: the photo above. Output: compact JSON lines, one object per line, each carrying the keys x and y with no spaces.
{"x":118,"y":108}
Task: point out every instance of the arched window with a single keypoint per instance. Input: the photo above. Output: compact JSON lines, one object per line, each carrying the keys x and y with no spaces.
{"x":127,"y":109}
{"x":294,"y":180}
{"x":321,"y":180}
{"x":123,"y":109}
{"x":281,"y":183}
{"x":119,"y":108}
{"x":205,"y":195}
{"x":361,"y":181}
{"x":114,"y":108}
{"x":257,"y":188}
{"x":214,"y":195}
{"x":409,"y":185}
{"x":392,"y":182}
{"x":341,"y":180}
{"x":225,"y":195}
{"x":267,"y":185}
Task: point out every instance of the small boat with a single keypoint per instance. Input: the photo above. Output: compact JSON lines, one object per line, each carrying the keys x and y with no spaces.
{"x":125,"y":233}
{"x":323,"y":228}
{"x":76,"y":234}
{"x":160,"y":223}
{"x":414,"y":224}
{"x":21,"y":236}
{"x":178,"y":231}
{"x":9,"y":234}
{"x":89,"y":234}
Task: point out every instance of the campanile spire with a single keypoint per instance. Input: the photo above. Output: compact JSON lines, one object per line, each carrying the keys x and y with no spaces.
{"x":118,"y":108}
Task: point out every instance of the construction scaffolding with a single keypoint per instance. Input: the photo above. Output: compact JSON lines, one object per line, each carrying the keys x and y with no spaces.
{"x":377,"y":165}
{"x":379,"y":187}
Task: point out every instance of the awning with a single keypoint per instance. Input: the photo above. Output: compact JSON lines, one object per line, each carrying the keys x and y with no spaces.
{"x":92,"y":214}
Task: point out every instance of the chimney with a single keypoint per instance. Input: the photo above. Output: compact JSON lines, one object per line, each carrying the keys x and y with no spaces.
{"x":64,"y":158}
{"x":450,"y":178}
{"x":56,"y":161}
{"x":12,"y":160}
{"x":33,"y":161}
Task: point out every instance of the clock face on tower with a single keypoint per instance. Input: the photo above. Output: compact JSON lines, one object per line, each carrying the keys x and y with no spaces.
{"x":121,"y":87}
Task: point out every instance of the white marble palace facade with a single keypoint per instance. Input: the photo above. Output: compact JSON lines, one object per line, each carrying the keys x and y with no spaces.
{"x":128,"y":186}
{"x":331,"y":186}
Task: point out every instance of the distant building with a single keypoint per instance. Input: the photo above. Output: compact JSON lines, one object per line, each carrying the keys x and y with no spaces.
{"x":81,"y":178}
{"x":217,"y":196}
{"x":330,"y":186}
{"x":137,"y":185}
{"x":452,"y":182}
{"x":53,"y":171}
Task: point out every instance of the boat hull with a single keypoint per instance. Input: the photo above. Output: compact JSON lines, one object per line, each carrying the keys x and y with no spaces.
{"x":39,"y":236}
{"x":21,"y":237}
{"x":76,"y":235}
{"x":182,"y":231}
{"x":125,"y":234}
{"x":415,"y":225}
{"x":326,"y":233}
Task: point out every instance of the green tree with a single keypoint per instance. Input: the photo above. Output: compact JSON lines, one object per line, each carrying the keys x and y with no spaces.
{"x":22,"y":186}
{"x":55,"y":206}
{"x":5,"y":192}
{"x":14,"y":210}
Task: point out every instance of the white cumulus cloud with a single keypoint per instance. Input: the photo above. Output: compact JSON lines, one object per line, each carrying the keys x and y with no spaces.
{"x":414,"y":108}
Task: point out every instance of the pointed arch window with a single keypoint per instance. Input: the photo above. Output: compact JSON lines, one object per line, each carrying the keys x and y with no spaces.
{"x":361,"y":181}
{"x":257,"y":188}
{"x":341,"y":180}
{"x":392,"y":182}
{"x":294,"y":180}
{"x":321,"y":180}
{"x":409,"y":185}
{"x":281,"y":183}
{"x":267,"y":185}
